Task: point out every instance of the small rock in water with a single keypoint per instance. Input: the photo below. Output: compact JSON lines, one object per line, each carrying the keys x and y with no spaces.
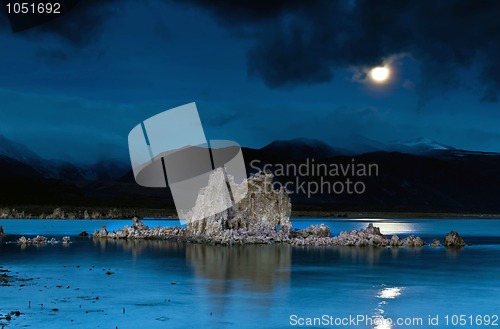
{"x":65,"y":239}
{"x":83,"y":233}
{"x":39,"y":240}
{"x":435,"y":243}
{"x":412,"y":241}
{"x":453,"y":239}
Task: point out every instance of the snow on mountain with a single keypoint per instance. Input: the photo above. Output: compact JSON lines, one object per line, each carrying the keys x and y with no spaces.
{"x":419,"y":146}
{"x":17,"y":151}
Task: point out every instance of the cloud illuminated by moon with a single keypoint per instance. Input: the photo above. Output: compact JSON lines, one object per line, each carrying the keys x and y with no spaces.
{"x":380,"y":74}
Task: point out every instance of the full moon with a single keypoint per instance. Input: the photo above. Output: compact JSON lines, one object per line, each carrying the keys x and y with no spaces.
{"x":380,"y":74}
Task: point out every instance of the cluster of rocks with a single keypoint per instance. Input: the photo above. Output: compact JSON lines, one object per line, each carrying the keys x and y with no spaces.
{"x":261,"y":217}
{"x":41,"y":240}
{"x":226,"y":237}
{"x":59,"y":213}
{"x":139,"y":230}
{"x":371,"y":236}
{"x":319,"y":231}
{"x":6,"y":213}
{"x":314,"y":235}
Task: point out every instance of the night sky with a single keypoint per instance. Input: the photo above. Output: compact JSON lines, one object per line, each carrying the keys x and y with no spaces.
{"x":258,"y":70}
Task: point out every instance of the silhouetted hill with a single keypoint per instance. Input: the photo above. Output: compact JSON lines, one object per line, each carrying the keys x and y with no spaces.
{"x":302,"y":148}
{"x":441,"y":179}
{"x":108,"y":169}
{"x":12,"y":168}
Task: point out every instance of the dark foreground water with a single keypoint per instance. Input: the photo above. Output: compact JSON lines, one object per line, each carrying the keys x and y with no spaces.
{"x":162,"y":284}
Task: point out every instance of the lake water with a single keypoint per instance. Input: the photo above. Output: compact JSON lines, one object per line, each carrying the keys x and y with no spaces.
{"x":164,"y":284}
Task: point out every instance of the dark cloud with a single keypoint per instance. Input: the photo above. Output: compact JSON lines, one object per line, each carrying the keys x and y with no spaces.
{"x":77,"y":29}
{"x":83,"y":24}
{"x":303,"y":42}
{"x":242,"y":12}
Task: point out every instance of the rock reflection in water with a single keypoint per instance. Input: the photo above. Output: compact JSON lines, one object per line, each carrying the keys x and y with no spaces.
{"x":252,"y":267}
{"x":136,"y":247}
{"x":260,"y":267}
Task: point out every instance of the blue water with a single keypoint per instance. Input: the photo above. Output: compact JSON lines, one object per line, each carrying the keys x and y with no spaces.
{"x":271,"y":286}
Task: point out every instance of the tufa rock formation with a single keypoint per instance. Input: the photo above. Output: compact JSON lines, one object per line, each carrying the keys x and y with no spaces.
{"x":103,"y":233}
{"x":320,"y":231}
{"x":261,"y":208}
{"x":435,"y":243}
{"x":371,"y":236}
{"x":453,"y":239}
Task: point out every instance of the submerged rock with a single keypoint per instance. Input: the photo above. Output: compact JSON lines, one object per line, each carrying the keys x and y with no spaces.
{"x":2,"y":233}
{"x":453,"y":239}
{"x":83,"y":233}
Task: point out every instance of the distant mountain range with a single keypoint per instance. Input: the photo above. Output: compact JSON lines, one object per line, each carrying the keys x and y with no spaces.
{"x":415,"y":176}
{"x":309,"y":148}
{"x":56,"y":169}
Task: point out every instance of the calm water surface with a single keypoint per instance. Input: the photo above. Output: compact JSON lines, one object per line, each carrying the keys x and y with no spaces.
{"x":162,"y":284}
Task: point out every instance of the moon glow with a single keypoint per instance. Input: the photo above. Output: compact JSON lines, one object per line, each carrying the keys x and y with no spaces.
{"x":380,"y":74}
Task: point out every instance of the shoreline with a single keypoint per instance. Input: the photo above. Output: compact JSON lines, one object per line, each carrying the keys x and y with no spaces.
{"x":99,"y":213}
{"x":392,"y":215}
{"x":366,"y":218}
